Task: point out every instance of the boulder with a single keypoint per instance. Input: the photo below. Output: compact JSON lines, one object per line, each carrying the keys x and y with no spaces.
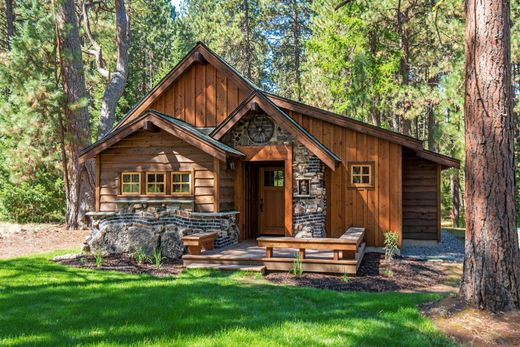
{"x":171,"y":244}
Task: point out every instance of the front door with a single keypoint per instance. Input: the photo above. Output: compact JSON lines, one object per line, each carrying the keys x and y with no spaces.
{"x":271,"y":204}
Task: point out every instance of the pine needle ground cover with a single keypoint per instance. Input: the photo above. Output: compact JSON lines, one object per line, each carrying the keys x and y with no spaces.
{"x":46,"y":304}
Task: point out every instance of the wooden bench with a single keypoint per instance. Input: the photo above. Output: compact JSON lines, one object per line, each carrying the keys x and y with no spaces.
{"x":344,"y":247}
{"x":196,"y":242}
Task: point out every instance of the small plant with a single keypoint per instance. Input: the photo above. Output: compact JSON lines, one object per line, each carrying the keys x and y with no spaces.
{"x":388,"y":273}
{"x":157,"y":258}
{"x":140,"y":256}
{"x":346,"y":277}
{"x":297,"y":267}
{"x":391,"y":244}
{"x":82,"y":261}
{"x":99,"y":259}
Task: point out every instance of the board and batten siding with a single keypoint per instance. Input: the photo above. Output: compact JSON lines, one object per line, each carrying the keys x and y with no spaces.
{"x":147,"y":151}
{"x":421,"y":198}
{"x":378,"y":208}
{"x":202,"y":96}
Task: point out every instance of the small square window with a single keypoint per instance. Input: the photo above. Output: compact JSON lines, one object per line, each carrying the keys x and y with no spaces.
{"x":131,"y":183}
{"x":155,"y":183}
{"x":361,"y":175}
{"x":181,"y":183}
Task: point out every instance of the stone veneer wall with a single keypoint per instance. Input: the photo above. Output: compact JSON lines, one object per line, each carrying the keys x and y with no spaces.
{"x":309,"y":213}
{"x":149,"y":226}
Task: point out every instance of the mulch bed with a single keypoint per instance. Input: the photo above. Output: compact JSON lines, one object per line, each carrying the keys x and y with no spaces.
{"x":374,"y":275}
{"x":126,"y":264}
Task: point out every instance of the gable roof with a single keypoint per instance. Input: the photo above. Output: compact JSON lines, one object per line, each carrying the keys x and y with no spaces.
{"x":294,"y":128}
{"x":199,"y":54}
{"x":175,"y":127}
{"x":202,"y":54}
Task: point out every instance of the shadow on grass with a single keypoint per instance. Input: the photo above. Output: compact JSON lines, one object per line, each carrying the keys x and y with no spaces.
{"x":42,"y":303}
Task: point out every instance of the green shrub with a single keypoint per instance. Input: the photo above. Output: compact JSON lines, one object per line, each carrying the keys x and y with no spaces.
{"x":346,"y":277}
{"x":39,"y":201}
{"x":297,"y":266}
{"x":391,"y":244}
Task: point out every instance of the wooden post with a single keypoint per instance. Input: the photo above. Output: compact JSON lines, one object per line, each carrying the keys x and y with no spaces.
{"x":98,"y":185}
{"x":302,"y":253}
{"x":216,"y":184}
{"x":268,"y":252}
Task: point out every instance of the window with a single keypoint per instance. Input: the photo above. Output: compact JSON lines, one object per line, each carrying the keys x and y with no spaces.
{"x":361,"y":174}
{"x":181,"y":183}
{"x":273,"y":178}
{"x":155,"y":183}
{"x":131,"y":183}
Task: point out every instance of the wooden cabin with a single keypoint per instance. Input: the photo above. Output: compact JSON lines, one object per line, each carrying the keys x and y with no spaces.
{"x":208,"y":141}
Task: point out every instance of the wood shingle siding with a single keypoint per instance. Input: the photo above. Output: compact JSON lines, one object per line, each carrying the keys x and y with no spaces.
{"x":145,"y":151}
{"x":420,"y":198}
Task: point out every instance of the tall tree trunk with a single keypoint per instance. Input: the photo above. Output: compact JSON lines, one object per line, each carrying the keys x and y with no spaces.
{"x":247,"y":40}
{"x":117,"y":79}
{"x":455,"y":198}
{"x":9,"y":21}
{"x":375,"y":113}
{"x":297,"y":49}
{"x":404,"y":68}
{"x":77,"y":121}
{"x":116,"y":86}
{"x":491,"y":277}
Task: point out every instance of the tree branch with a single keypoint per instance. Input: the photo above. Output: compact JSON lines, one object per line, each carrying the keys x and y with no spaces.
{"x":96,"y":48}
{"x":342,"y":4}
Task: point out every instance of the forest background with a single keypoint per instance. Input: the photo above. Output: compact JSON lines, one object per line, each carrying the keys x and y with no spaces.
{"x":398,"y":64}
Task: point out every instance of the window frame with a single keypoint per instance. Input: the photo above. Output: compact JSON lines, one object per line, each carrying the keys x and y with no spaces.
{"x":130,"y":173}
{"x":190,"y":182}
{"x":361,"y":164}
{"x":164,"y":182}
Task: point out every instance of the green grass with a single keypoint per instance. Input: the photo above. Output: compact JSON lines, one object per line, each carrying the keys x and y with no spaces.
{"x":42,"y":303}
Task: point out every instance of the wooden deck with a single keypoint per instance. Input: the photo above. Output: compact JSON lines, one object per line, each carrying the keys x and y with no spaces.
{"x":249,"y":253}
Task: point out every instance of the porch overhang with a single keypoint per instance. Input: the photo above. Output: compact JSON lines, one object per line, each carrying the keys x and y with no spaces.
{"x":255,"y":101}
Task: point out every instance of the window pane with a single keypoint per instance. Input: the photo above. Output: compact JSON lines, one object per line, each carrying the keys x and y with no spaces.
{"x":160,"y":188}
{"x":135,"y":187}
{"x":356,"y":170}
{"x":185,"y":188}
{"x":268,"y":178}
{"x":160,"y":178}
{"x":366,"y":170}
{"x":366,"y":179}
{"x":356,"y":179}
{"x":176,"y":178}
{"x":151,"y":178}
{"x":176,"y":188}
{"x":151,"y":188}
{"x":278,"y":178}
{"x":126,"y":178}
{"x":135,"y":178}
{"x":186,"y":178}
{"x":126,"y":188}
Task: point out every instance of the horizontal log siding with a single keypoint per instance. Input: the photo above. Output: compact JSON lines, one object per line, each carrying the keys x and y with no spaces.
{"x":378,"y":209}
{"x":202,"y":96}
{"x":420,"y":198}
{"x":146,"y":151}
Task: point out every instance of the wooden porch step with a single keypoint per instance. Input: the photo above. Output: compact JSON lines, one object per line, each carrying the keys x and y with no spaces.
{"x":249,"y":268}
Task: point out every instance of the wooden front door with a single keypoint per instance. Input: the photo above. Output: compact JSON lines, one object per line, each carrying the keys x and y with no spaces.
{"x":271,"y":194}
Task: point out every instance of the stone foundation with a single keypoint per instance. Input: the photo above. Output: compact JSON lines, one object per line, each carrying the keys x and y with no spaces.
{"x":151,"y":228}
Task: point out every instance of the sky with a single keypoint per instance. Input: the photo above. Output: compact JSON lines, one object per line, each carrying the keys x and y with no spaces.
{"x":176,"y":3}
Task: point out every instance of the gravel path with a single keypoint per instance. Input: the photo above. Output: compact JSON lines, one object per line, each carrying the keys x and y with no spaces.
{"x":450,"y":249}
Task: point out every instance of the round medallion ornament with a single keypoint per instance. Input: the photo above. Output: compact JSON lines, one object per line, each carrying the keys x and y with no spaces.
{"x":260,"y":128}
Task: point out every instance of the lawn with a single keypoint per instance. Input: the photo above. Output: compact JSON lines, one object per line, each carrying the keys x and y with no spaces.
{"x":42,"y":303}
